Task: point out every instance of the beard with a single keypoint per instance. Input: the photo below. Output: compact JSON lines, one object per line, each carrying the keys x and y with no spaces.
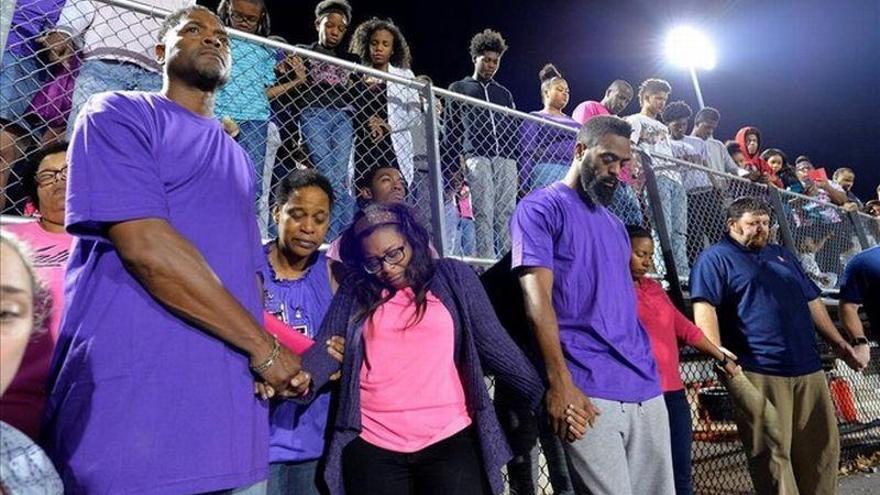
{"x":598,"y":190}
{"x":200,"y":74}
{"x":757,"y":240}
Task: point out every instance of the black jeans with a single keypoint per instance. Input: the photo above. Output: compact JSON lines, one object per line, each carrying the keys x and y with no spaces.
{"x":453,"y":465}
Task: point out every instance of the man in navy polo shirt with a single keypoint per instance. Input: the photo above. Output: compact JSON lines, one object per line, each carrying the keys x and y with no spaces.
{"x":755,"y":300}
{"x":861,"y":286}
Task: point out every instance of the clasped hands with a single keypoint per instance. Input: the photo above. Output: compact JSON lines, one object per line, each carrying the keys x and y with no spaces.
{"x":285,"y":378}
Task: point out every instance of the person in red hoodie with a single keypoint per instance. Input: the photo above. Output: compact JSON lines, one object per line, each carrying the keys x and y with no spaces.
{"x":749,"y":140}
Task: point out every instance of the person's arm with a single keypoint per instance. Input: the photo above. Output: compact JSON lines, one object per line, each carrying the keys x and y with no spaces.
{"x":852,"y":324}
{"x":837,"y":196}
{"x":826,"y":328}
{"x":174,"y":272}
{"x":320,"y":365}
{"x":537,"y":287}
{"x":706,"y":318}
{"x":75,"y":18}
{"x":729,"y":165}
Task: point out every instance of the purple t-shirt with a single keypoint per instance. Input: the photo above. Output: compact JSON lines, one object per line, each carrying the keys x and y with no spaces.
{"x":29,"y":20}
{"x":142,"y":401}
{"x":607,"y":350}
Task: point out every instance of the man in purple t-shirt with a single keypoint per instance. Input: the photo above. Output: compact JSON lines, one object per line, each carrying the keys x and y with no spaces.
{"x":150,"y":389}
{"x":617,"y":98}
{"x":573,"y":260}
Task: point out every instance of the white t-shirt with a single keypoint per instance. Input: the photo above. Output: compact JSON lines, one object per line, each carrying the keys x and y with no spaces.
{"x":653,"y":136}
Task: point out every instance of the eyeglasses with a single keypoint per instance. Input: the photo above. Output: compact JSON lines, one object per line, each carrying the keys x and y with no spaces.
{"x":244,"y":19}
{"x":48,"y":177}
{"x":393,"y":257}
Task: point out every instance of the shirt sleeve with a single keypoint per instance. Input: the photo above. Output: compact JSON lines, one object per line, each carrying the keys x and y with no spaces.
{"x":636,"y":125}
{"x":580,"y":113}
{"x":707,"y":279}
{"x":852,"y":286}
{"x":113,"y":173}
{"x":532,"y":232}
{"x":76,"y":17}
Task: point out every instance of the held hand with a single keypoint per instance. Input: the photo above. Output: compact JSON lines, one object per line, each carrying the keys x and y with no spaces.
{"x":856,"y":360}
{"x":727,"y":353}
{"x":298,"y":66}
{"x":570,"y":412}
{"x":862,"y":354}
{"x":732,"y":369}
{"x":283,"y":376}
{"x":378,"y":127}
{"x":336,"y":349}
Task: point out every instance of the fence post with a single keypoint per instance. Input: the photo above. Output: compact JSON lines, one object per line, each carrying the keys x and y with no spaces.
{"x":859,"y":229}
{"x":432,"y":148}
{"x":782,"y":220}
{"x":659,"y":220}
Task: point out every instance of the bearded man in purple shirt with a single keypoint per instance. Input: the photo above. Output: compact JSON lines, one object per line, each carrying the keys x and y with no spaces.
{"x":572,"y":255}
{"x":151,"y":388}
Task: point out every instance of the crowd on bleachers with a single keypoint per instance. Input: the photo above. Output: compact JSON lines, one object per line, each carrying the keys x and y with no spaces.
{"x":164,"y":295}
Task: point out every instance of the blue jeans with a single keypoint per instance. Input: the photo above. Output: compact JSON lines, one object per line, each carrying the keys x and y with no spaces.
{"x":544,"y":174}
{"x":681,"y":435}
{"x":252,"y":137}
{"x":300,"y":478}
{"x":19,"y":80}
{"x":96,"y":76}
{"x":674,"y":199}
{"x":466,"y":236}
{"x":327,"y":133}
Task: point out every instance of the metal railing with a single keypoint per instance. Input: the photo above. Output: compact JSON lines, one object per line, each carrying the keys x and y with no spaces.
{"x":457,"y":155}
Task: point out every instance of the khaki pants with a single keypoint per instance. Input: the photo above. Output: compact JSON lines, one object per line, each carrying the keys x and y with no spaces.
{"x":789,"y":431}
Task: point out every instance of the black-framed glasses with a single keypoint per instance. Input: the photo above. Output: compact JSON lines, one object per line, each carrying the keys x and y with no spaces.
{"x":48,"y":177}
{"x":244,"y":19}
{"x":393,"y":257}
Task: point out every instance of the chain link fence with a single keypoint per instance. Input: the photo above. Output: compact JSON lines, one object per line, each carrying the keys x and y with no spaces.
{"x":463,"y":165}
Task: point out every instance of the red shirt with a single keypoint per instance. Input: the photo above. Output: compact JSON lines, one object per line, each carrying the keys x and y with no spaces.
{"x":665,"y":326}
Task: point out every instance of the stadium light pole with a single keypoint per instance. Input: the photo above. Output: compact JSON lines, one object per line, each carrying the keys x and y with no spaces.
{"x":690,"y":49}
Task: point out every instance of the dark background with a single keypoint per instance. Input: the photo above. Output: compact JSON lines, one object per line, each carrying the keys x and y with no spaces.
{"x":806,"y":72}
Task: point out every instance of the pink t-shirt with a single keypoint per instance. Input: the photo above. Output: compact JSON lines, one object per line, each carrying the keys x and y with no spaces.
{"x":23,"y":402}
{"x":411,"y":393}
{"x":465,"y":210}
{"x":587,"y":110}
{"x":666,"y":326}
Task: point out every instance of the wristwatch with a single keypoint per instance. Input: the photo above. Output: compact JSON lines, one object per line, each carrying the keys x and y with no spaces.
{"x":858,"y":341}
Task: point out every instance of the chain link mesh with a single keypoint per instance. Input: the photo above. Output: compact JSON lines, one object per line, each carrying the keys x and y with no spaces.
{"x":346,"y":121}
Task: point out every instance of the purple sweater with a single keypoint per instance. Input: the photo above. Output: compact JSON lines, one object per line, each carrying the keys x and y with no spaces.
{"x":479,"y":338}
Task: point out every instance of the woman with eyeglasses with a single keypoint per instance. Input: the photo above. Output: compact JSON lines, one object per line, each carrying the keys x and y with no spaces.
{"x":44,"y":179}
{"x":414,"y":413}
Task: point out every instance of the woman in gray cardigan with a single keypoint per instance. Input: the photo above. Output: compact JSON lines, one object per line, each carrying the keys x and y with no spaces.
{"x":414,"y":413}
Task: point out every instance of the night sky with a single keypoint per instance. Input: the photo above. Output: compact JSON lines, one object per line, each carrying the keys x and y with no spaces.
{"x":806,"y":72}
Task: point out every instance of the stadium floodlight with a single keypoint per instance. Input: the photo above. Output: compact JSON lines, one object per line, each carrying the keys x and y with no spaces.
{"x":690,"y":49}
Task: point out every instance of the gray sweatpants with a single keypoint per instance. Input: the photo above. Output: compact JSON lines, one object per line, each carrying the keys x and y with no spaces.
{"x":627,"y":451}
{"x":493,"y":182}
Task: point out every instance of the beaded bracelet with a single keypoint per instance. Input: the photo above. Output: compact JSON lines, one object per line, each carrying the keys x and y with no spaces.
{"x":269,"y":361}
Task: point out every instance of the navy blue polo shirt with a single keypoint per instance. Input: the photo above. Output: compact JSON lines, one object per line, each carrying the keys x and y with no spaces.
{"x":761,"y":297}
{"x":861,"y":284}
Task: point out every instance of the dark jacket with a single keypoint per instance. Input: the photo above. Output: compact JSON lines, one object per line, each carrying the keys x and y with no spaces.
{"x":476,"y":131}
{"x":479,"y":338}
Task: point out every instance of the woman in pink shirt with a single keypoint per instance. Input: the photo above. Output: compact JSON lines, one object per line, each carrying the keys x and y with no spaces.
{"x":666,"y":327}
{"x":414,"y":414}
{"x":44,"y":179}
